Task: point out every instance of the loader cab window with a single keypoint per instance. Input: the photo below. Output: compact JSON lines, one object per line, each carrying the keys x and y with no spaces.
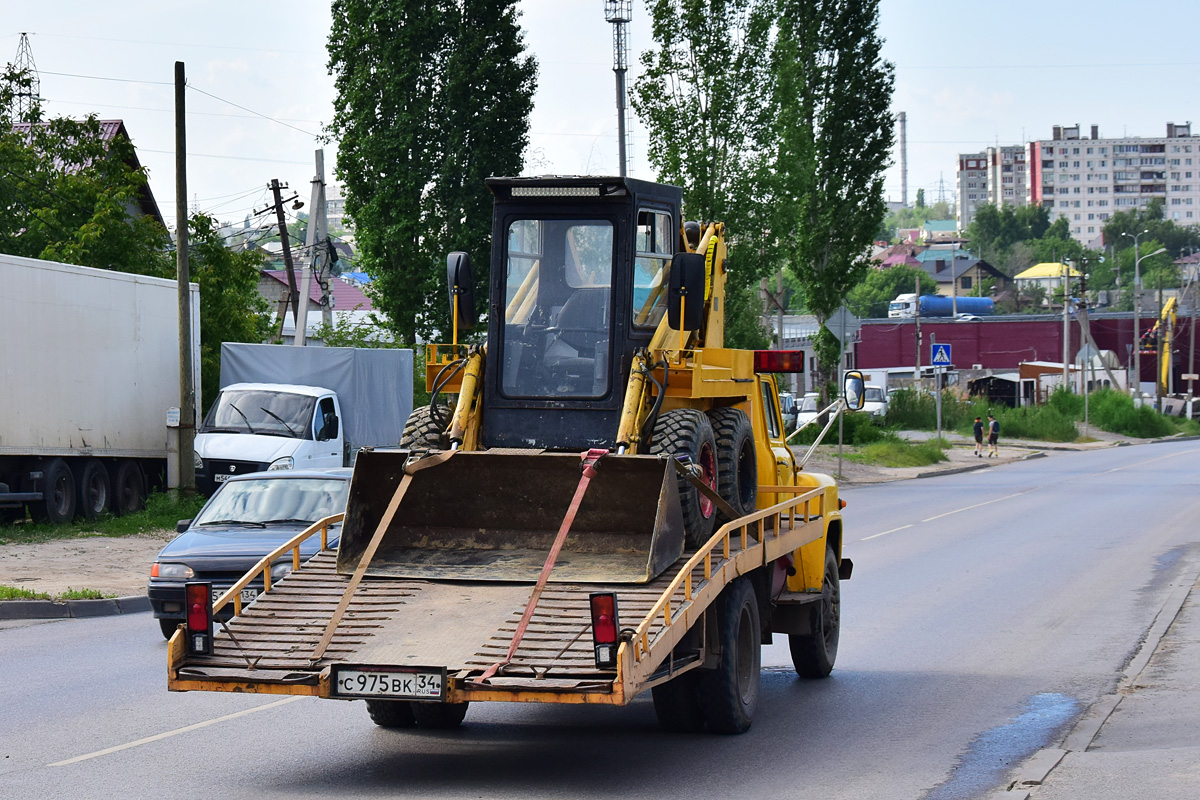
{"x":558,"y":296}
{"x":655,"y":244}
{"x":770,"y":409}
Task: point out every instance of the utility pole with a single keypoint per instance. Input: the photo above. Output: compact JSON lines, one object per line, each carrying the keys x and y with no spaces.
{"x":620,"y":13}
{"x":187,"y":387}
{"x":315,"y":233}
{"x":293,"y":297}
{"x":1066,"y":325}
{"x":1158,"y":347}
{"x":917,"y":317}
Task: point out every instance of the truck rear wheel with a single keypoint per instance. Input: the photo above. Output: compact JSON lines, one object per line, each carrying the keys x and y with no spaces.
{"x":737,"y":460}
{"x":58,"y":494}
{"x":422,"y":432}
{"x":391,"y":713}
{"x":439,"y":716}
{"x":95,"y":490}
{"x":813,"y":653}
{"x":687,"y":431}
{"x":677,"y":704}
{"x":729,"y":693}
{"x":128,"y":488}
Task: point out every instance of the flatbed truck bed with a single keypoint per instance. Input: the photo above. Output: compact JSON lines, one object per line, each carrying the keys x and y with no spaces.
{"x":463,"y":627}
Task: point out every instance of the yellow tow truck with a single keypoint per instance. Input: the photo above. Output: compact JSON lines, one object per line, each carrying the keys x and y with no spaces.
{"x":608,"y":506}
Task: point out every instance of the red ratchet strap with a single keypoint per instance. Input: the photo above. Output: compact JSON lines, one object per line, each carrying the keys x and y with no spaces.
{"x":590,"y":459}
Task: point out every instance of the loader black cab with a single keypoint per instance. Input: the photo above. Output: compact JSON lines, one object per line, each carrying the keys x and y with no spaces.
{"x":576,"y":287}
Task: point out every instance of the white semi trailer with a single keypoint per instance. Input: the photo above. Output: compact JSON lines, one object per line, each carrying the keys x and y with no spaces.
{"x":89,"y":367}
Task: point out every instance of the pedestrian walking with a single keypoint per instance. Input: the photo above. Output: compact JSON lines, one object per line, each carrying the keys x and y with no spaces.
{"x":979,"y":437}
{"x":993,"y":435}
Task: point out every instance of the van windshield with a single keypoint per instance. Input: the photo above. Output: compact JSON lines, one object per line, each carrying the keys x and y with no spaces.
{"x":873,"y":395}
{"x":261,"y":412}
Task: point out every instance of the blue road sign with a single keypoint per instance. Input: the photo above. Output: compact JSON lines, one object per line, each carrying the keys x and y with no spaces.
{"x":940,"y":355}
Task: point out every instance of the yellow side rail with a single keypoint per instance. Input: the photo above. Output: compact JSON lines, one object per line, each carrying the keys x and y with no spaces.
{"x":264,"y":565}
{"x":808,"y":509}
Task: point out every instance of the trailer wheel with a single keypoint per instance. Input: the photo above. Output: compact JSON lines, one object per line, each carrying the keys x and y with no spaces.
{"x":129,"y":488}
{"x":439,"y":716}
{"x":687,"y":431}
{"x":391,"y":713}
{"x":737,"y":460}
{"x":421,"y":432}
{"x":729,"y":693}
{"x":58,"y":494}
{"x":95,"y":490}
{"x":813,"y":653}
{"x":677,"y":704}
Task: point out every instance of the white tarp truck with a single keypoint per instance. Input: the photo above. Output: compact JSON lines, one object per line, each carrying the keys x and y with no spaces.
{"x":284,"y":407}
{"x":89,"y":366}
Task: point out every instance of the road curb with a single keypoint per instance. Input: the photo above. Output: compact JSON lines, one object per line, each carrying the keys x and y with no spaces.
{"x":48,"y":609}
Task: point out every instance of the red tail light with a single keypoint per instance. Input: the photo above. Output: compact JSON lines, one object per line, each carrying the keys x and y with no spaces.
{"x":605,"y":628}
{"x":197,"y":605}
{"x":778,"y":361}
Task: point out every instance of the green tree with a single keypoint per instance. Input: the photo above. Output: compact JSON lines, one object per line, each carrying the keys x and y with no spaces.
{"x":703,"y":97}
{"x":920,"y":198}
{"x":881,"y":286}
{"x":68,"y":194}
{"x":834,"y":131}
{"x":231,"y":308}
{"x":431,"y":97}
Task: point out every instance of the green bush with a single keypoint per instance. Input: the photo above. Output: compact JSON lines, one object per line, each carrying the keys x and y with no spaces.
{"x":899,"y":453}
{"x":1115,"y":412}
{"x":857,"y":429}
{"x":1067,"y":403}
{"x":912,"y":410}
{"x":1044,"y":423}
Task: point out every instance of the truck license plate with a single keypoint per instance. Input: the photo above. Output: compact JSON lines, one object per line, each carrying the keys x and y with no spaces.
{"x":410,"y":683}
{"x":248,"y":595}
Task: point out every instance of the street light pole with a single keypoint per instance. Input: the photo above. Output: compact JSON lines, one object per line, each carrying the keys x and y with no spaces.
{"x":1137,"y":322}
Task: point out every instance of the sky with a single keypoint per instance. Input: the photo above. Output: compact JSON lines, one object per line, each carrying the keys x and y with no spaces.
{"x":968,"y":75}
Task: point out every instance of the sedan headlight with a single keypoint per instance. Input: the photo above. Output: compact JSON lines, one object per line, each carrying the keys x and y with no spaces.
{"x":281,"y":570}
{"x":281,"y":463}
{"x":179,"y":572}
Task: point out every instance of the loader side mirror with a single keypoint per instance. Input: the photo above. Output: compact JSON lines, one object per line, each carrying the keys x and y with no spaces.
{"x":460,"y":278}
{"x":685,"y":292}
{"x":853,"y":390}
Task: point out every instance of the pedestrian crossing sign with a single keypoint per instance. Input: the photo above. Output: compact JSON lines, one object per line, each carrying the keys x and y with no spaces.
{"x":941,"y":355}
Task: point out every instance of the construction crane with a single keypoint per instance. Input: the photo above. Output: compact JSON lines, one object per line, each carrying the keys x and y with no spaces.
{"x":1149,"y":343}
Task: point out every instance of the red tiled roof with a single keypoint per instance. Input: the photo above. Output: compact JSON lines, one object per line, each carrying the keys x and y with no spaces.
{"x":346,"y":297}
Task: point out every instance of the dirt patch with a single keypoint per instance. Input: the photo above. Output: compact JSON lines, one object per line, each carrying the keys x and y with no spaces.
{"x":119,"y":566}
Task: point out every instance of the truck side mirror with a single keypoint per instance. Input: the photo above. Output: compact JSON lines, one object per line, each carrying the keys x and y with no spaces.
{"x":853,"y":390}
{"x":460,"y":278}
{"x":685,"y":292}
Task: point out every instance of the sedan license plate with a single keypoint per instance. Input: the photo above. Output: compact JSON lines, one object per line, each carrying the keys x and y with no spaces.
{"x":407,"y":683}
{"x":248,"y":595}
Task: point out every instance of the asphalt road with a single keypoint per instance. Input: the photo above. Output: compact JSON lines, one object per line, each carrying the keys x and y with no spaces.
{"x":986,"y":611}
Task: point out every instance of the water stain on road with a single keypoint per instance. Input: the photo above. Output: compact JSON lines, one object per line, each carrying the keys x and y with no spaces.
{"x":995,"y":752}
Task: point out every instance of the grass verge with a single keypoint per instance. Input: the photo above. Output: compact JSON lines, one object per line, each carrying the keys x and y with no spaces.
{"x":18,"y":593}
{"x":162,"y":511}
{"x":899,"y":453}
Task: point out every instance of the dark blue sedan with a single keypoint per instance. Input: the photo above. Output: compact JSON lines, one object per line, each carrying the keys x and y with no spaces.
{"x":246,"y":518}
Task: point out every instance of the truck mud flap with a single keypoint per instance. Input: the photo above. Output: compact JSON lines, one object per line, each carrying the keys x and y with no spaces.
{"x":493,"y":517}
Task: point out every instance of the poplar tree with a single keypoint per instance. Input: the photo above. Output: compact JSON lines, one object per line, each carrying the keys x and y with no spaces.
{"x":432,"y":96}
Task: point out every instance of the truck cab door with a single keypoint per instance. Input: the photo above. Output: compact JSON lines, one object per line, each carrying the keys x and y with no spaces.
{"x":327,"y":435}
{"x":781,"y":468}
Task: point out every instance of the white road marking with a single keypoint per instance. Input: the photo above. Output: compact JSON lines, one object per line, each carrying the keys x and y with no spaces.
{"x":885,"y":533}
{"x":977,"y":505}
{"x":176,"y":732}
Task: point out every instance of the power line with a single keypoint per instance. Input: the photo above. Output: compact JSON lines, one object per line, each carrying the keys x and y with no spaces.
{"x":252,"y":111}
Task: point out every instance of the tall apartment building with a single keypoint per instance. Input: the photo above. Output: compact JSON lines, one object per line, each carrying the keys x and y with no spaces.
{"x":996,"y":176}
{"x":1087,"y":180}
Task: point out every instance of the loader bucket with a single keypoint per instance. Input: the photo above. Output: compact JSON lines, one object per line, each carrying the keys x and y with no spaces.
{"x":492,"y":516}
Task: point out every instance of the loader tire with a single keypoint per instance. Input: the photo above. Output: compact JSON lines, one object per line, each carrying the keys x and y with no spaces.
{"x":687,"y":431}
{"x":813,"y":653}
{"x":729,"y":693}
{"x":421,"y":432}
{"x":439,"y":716}
{"x":737,"y":460}
{"x":677,"y":704}
{"x":391,"y":713}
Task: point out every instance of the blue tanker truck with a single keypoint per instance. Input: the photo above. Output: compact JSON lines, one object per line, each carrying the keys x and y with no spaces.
{"x":933,"y":305}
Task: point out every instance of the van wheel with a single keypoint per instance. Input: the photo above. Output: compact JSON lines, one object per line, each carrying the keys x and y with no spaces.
{"x":729,"y":693}
{"x":58,"y":489}
{"x":95,"y":490}
{"x":439,"y":716}
{"x":687,"y":431}
{"x":677,"y":704}
{"x":813,"y":653}
{"x":737,"y":462}
{"x":422,"y":432}
{"x":129,"y":488}
{"x":391,"y":713}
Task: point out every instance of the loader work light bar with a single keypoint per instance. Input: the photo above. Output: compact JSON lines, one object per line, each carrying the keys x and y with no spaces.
{"x":778,"y":361}
{"x":556,"y":191}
